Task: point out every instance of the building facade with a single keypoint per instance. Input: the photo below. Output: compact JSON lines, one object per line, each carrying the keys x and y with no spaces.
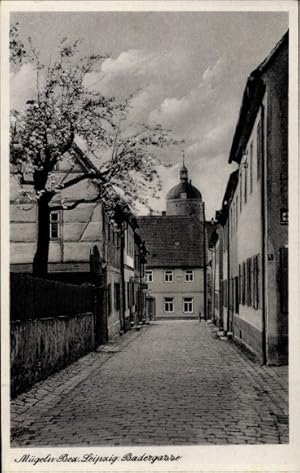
{"x":175,"y":241}
{"x":254,"y":215}
{"x":86,"y":246}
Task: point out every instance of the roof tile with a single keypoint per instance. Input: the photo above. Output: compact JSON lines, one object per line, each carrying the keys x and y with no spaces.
{"x":172,"y":241}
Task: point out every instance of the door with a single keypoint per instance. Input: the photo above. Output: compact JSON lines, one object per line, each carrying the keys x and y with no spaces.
{"x":151,"y":308}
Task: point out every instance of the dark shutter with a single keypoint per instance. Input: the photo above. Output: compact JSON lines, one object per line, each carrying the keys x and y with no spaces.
{"x":283,"y":280}
{"x":109,"y":299}
{"x":244,"y":284}
{"x":236,"y":280}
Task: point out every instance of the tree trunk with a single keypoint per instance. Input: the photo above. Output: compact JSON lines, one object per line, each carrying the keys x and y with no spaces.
{"x":40,"y":261}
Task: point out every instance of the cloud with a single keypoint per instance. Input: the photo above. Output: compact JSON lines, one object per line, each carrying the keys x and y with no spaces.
{"x":144,"y":101}
{"x":125,"y":74}
{"x":214,"y":140}
{"x":198,"y":109}
{"x":185,"y":112}
{"x":214,"y":71}
{"x":133,"y":61}
{"x":22,"y":86}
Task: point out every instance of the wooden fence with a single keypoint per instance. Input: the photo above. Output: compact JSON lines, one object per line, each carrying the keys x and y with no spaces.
{"x":35,"y":298}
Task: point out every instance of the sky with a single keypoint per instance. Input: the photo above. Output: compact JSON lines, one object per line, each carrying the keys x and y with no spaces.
{"x":186,"y":71}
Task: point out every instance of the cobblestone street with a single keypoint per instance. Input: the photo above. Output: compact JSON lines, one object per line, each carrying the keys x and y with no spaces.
{"x":171,"y":383}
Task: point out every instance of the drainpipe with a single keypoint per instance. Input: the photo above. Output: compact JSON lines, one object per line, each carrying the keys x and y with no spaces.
{"x":228,"y":274}
{"x":204,"y":268}
{"x":140,"y":307}
{"x":263,"y":212}
{"x":214,"y":284}
{"x":122,"y":288}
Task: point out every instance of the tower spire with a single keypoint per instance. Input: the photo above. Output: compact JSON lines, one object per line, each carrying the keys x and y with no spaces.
{"x":183,"y":170}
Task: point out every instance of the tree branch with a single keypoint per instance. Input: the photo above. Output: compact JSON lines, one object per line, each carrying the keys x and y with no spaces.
{"x":83,"y":177}
{"x":75,"y":204}
{"x":69,"y":142}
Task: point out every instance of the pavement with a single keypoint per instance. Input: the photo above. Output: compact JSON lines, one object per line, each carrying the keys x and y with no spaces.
{"x":172,"y":383}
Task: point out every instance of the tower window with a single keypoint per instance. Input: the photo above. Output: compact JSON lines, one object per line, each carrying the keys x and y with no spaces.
{"x":183,"y":195}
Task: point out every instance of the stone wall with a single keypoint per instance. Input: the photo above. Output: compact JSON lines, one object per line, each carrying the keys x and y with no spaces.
{"x":42,"y":346}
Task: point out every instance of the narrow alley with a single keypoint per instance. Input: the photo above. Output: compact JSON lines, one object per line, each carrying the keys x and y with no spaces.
{"x":173,"y":383}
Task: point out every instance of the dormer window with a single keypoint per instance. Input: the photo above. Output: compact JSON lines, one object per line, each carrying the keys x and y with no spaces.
{"x":183,"y":195}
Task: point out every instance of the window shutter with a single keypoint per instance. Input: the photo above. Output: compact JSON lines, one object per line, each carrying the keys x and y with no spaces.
{"x":283,"y":278}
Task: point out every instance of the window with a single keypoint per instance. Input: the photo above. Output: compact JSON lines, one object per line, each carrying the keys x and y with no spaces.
{"x":109,"y":299}
{"x":249,"y":282}
{"x":127,"y":304}
{"x":169,"y":275}
{"x":188,"y":305}
{"x":225,"y":292}
{"x":130,"y":241}
{"x":255,"y":281}
{"x":189,"y":275}
{"x":251,"y":167}
{"x":183,"y":195}
{"x":169,"y":304}
{"x":283,"y":279}
{"x":149,"y":275}
{"x":244,"y":284}
{"x":117,"y":296}
{"x":54,"y":225}
{"x":259,"y":149}
{"x":236,"y":294}
{"x":240,"y":284}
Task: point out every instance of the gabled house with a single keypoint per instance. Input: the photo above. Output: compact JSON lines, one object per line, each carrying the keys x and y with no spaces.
{"x":176,"y":241}
{"x":73,"y":233}
{"x":85,"y":245}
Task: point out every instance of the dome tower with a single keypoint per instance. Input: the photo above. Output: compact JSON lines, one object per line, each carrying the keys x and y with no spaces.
{"x":184,"y":198}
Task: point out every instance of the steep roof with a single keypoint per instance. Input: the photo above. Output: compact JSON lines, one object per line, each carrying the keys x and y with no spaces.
{"x":230,"y":189}
{"x":252,"y":96}
{"x":172,"y":241}
{"x":84,"y":160}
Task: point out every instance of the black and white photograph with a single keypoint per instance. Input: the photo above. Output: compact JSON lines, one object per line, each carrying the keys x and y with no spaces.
{"x":148,"y":172}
